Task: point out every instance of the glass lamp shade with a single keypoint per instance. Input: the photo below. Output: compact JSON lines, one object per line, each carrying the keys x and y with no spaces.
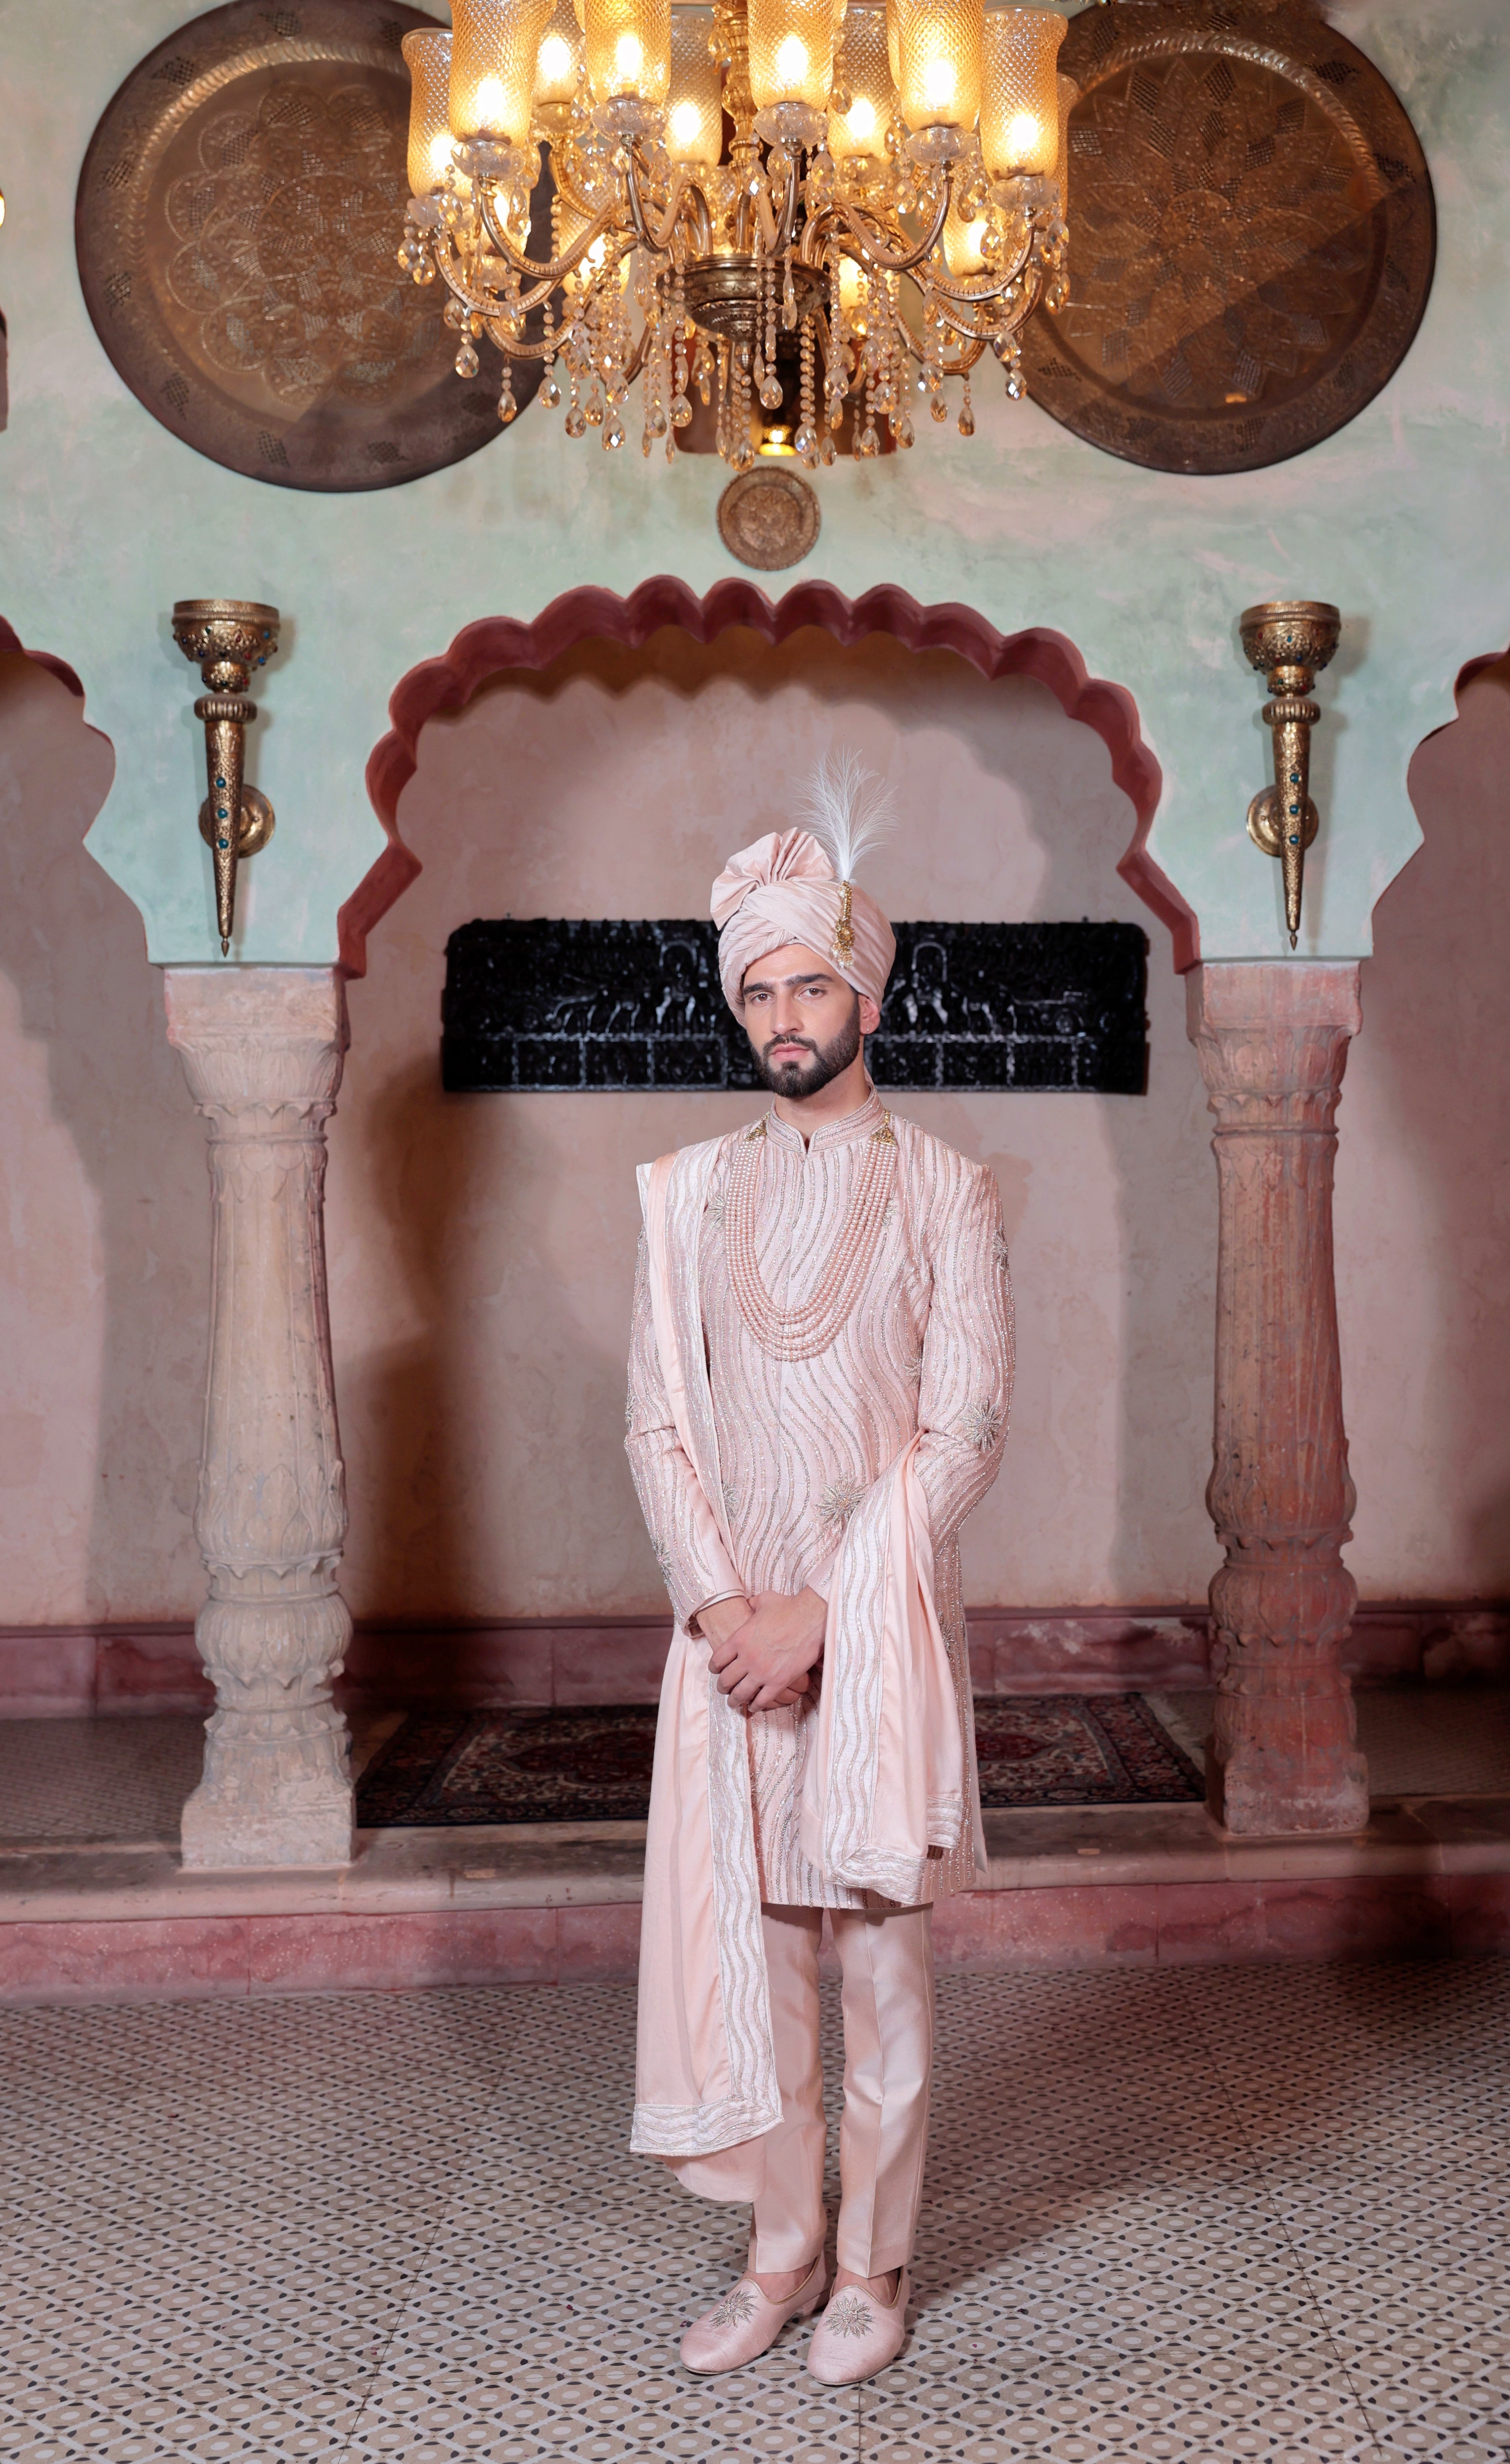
{"x":853,"y":294}
{"x":494,"y":47}
{"x":1068,"y":97}
{"x":939,"y":51}
{"x":791,"y":52}
{"x":427,"y":59}
{"x":962,"y":242}
{"x":558,"y":61}
{"x":860,"y":134}
{"x":1019,"y":92}
{"x":629,"y":50}
{"x":694,"y":100}
{"x":893,"y":10}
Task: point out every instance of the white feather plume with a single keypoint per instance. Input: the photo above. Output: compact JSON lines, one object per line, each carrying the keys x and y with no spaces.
{"x":849,"y":811}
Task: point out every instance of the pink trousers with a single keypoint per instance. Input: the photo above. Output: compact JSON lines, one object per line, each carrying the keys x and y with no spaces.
{"x":887,"y":2001}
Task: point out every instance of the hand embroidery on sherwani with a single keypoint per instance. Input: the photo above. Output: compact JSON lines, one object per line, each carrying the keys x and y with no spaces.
{"x":980,"y":1426}
{"x":840,"y":1499}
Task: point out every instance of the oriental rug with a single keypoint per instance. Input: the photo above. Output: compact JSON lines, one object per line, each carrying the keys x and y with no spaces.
{"x":592,"y":1764}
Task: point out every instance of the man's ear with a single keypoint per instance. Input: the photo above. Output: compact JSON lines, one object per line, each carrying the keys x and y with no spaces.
{"x":870,"y":1016}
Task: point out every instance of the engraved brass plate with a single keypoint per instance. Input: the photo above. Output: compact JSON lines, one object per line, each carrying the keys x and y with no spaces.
{"x":240,"y":213}
{"x":1252,"y":235}
{"x":768,"y":518}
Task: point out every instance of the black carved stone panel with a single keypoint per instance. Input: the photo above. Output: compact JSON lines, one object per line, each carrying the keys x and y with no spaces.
{"x":541,"y":1003}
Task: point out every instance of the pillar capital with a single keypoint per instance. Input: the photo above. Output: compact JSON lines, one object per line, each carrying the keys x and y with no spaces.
{"x":262,"y":1050}
{"x":1272,"y":1040}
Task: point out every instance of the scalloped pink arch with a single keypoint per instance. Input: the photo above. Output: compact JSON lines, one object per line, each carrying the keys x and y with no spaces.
{"x":13,"y":645}
{"x":496,"y":645}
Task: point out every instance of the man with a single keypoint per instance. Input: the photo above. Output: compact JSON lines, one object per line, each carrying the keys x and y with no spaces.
{"x":819,"y":1381}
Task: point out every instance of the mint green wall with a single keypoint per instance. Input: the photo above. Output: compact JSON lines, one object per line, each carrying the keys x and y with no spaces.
{"x":105,"y":519}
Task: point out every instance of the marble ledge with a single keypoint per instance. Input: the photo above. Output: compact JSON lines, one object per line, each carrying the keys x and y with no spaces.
{"x":565,"y":1865}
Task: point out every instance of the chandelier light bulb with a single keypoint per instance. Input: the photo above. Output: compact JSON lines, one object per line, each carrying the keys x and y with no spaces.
{"x":494,"y":46}
{"x":791,"y":52}
{"x":1020,"y":91}
{"x":939,"y":46}
{"x":629,"y":50}
{"x":428,"y":58}
{"x":694,"y":119}
{"x":937,"y":88}
{"x":963,"y":243}
{"x":558,"y":63}
{"x":860,"y":134}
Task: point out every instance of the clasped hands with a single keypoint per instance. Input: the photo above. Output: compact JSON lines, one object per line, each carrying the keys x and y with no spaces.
{"x":764,"y":1649}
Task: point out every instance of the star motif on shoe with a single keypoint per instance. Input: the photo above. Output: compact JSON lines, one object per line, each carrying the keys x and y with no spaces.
{"x":736,"y":2307}
{"x":849,"y":2316}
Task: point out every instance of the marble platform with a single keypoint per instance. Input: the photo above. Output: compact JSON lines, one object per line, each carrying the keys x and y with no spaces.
{"x":94,"y":1905}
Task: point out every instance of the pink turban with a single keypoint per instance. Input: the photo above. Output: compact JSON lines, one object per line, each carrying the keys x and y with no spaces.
{"x":785,"y":888}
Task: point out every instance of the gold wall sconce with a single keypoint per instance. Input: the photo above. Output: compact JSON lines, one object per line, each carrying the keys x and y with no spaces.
{"x":226,"y":639}
{"x":1289,"y":640}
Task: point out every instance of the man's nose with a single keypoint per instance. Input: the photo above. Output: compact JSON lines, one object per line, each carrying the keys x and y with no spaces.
{"x":785,"y":1017}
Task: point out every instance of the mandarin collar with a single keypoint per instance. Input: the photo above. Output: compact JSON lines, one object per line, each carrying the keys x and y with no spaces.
{"x":861,"y":1123}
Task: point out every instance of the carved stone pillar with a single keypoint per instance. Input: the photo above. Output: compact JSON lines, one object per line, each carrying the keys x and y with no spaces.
{"x":1273,"y":1045}
{"x":262,"y":1050}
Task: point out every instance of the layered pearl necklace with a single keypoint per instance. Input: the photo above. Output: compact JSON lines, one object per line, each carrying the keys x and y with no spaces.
{"x":801,"y":1333}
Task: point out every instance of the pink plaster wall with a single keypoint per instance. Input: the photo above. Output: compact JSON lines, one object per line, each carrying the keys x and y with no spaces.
{"x":1423,"y":1185}
{"x":103,"y":1224}
{"x":481,"y":1246}
{"x":491,"y":1238}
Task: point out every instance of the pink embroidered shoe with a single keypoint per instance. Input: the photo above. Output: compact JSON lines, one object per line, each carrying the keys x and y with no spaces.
{"x":743,"y":2325}
{"x":857,"y":2335}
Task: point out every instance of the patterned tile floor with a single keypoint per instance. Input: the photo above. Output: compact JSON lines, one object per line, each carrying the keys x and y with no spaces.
{"x":1180,"y":2214}
{"x":125,"y":1779}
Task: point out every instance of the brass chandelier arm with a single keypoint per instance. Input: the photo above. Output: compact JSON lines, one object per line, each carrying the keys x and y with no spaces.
{"x":978,"y":346}
{"x":658,"y":242}
{"x":879,"y":258}
{"x":559,"y":267}
{"x":482,"y":304}
{"x":983,"y":287}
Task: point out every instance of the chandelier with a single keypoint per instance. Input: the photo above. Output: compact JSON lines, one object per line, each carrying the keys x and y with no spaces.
{"x":801,"y":212}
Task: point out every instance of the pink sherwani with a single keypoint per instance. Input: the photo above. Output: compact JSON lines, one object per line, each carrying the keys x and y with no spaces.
{"x":849,"y":1472}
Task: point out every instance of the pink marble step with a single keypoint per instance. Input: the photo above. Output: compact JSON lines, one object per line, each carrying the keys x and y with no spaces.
{"x":1108,"y":1886}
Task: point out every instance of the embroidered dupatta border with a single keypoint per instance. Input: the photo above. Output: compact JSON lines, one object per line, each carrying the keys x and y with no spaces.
{"x":674,"y":1194}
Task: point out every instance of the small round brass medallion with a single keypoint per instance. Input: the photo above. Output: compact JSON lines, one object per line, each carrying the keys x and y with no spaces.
{"x":768,"y":518}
